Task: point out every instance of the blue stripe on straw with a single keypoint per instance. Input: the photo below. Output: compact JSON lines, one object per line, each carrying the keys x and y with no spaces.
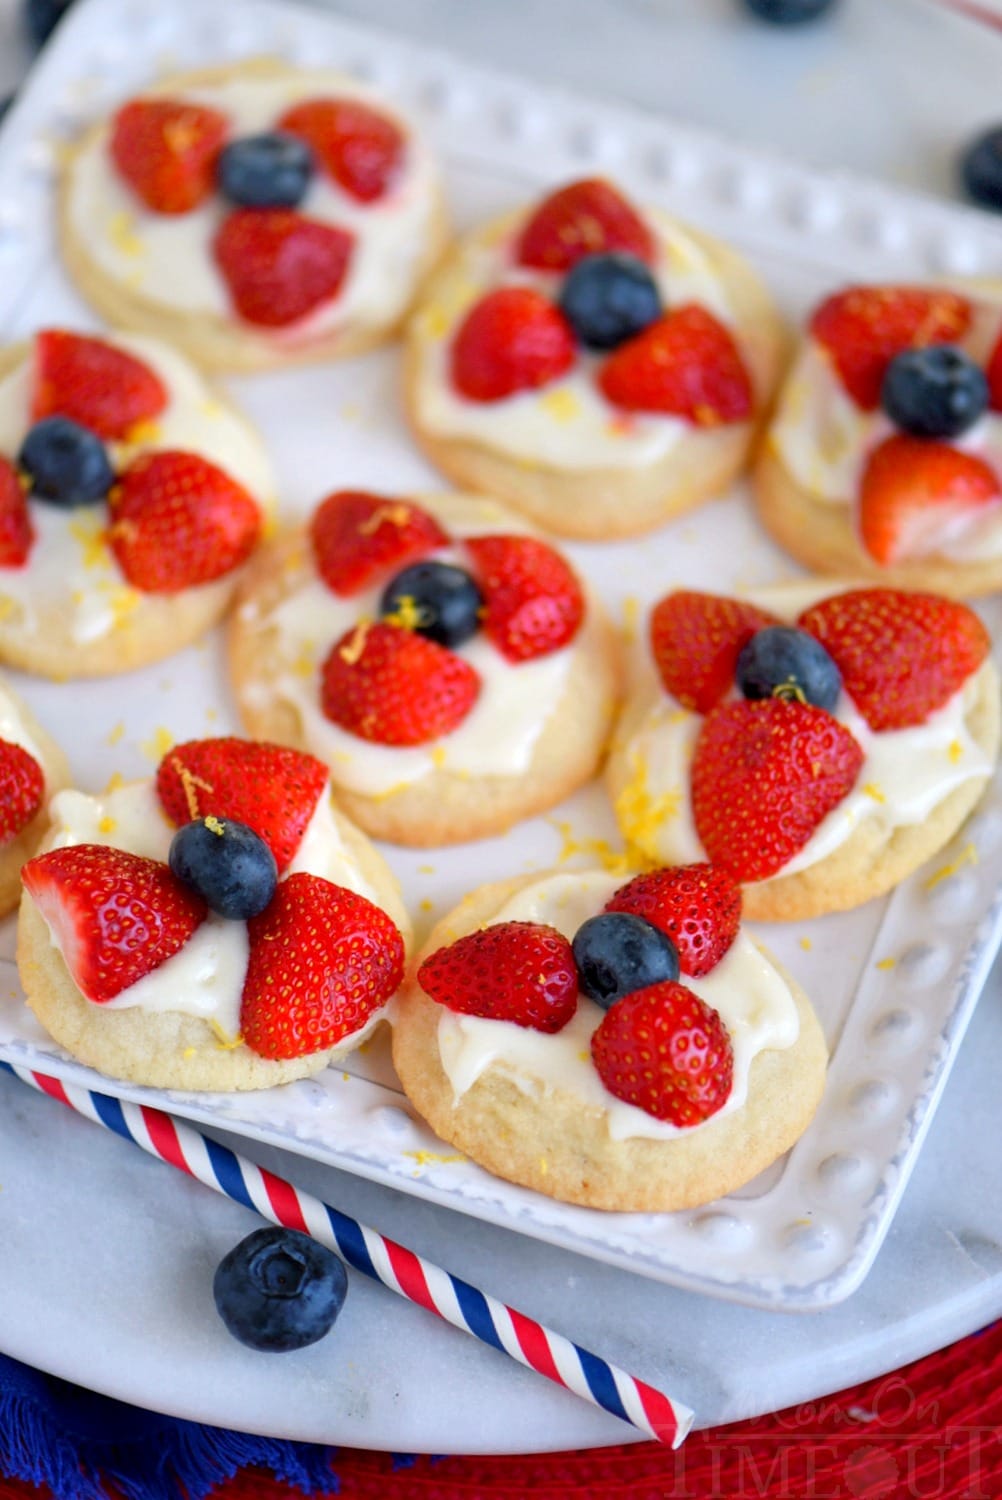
{"x":473,"y":1306}
{"x":601,"y":1384}
{"x":351,"y":1242}
{"x":227,"y":1172}
{"x":109,"y":1111}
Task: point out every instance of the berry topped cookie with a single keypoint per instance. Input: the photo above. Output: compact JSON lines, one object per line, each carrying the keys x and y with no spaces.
{"x":597,"y":365}
{"x":32,"y":770}
{"x":219,"y":927}
{"x":884,"y":458}
{"x":257,"y":214}
{"x":819,"y":747}
{"x":444,"y":661}
{"x":623,"y":1045}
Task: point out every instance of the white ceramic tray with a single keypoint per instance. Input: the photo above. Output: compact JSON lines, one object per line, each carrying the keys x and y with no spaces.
{"x":805,"y":1233}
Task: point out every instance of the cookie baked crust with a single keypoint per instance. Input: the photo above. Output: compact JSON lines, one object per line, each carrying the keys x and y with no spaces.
{"x":56,"y":772}
{"x":549,"y":1141}
{"x":213,"y":342}
{"x":442,"y":807}
{"x":169,"y":1049}
{"x":606,"y":503}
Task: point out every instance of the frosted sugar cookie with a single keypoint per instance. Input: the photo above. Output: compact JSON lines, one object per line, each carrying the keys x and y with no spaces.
{"x":599,"y":366}
{"x":256,"y":214}
{"x":623,"y":1046}
{"x":884,"y":457}
{"x":819,"y":746}
{"x":445,"y":662}
{"x":221,"y":926}
{"x":130,"y":496}
{"x":32,"y":769}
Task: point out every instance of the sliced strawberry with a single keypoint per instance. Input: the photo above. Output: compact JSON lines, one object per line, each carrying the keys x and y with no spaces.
{"x":667,"y":1052}
{"x":16,"y":530}
{"x":393,"y":687}
{"x":533,"y":601}
{"x":698,"y":906}
{"x":359,"y":147}
{"x":166,"y":150}
{"x":93,"y":383}
{"x":280,"y":266}
{"x":764,"y":775}
{"x":994,"y":374}
{"x":696,"y":640}
{"x":684,"y":365}
{"x":512,"y":340}
{"x":114,"y":916}
{"x":322,"y":961}
{"x":359,"y":538}
{"x":864,"y":327}
{"x":22,"y":786}
{"x":584,"y":218}
{"x":915,"y":491}
{"x":512,"y":971}
{"x":902,"y":656}
{"x":178,"y":521}
{"x":272,"y":789}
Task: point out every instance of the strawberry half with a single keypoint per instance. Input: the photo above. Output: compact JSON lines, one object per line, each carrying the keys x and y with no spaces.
{"x":280,"y":266}
{"x":533,"y":601}
{"x":584,"y":218}
{"x":684,"y":365}
{"x":698,"y":906}
{"x":22,"y":786}
{"x":359,"y":147}
{"x":864,"y":327}
{"x":512,"y":340}
{"x":166,"y":150}
{"x":696,"y":640}
{"x":393,"y":687}
{"x":93,"y":383}
{"x":178,"y":521}
{"x":667,"y":1052}
{"x":512,"y":971}
{"x":994,"y":374}
{"x":902,"y":656}
{"x":114,"y":915}
{"x":359,"y":538}
{"x":16,"y":530}
{"x":764,"y":775}
{"x":915,"y":491}
{"x":272,"y":789}
{"x":322,"y":961}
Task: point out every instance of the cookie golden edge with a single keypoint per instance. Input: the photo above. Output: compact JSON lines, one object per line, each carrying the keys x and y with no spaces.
{"x":442,"y":808}
{"x":169,"y":1049}
{"x":608,"y":503}
{"x":550,"y":1143}
{"x":220,"y":344}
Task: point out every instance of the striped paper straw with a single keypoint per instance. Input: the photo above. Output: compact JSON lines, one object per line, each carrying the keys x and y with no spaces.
{"x":398,"y":1268}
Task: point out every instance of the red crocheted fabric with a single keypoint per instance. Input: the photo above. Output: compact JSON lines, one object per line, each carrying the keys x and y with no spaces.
{"x":928,"y":1432}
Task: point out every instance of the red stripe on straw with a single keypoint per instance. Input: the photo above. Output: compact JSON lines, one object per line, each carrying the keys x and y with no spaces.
{"x":51,"y":1086}
{"x":409,"y":1271}
{"x":284,"y":1200}
{"x":658,"y":1411}
{"x":534,"y":1345}
{"x":162,"y":1133}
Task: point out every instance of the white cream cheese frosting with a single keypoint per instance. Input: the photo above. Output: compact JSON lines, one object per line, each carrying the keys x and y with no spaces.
{"x":751,"y":996}
{"x":168,"y":258}
{"x":70,"y":569}
{"x":12,"y":725}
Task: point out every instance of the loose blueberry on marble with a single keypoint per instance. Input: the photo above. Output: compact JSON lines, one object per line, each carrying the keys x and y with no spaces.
{"x":617,"y":953}
{"x":788,"y":12}
{"x":436,"y":600}
{"x":66,"y":463}
{"x":937,"y":392}
{"x":981,"y":169}
{"x":607,"y":299}
{"x":42,"y":16}
{"x":781,"y":661}
{"x":279,"y":1290}
{"x":271,"y":170}
{"x":227,"y":863}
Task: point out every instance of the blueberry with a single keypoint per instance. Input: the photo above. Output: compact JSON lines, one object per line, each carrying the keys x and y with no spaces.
{"x":435,"y":599}
{"x":788,"y":12}
{"x":227,"y":863}
{"x":272,"y":170}
{"x":981,"y":169}
{"x":279,"y":1290}
{"x":937,"y":392}
{"x":781,"y":661}
{"x":42,"y":16}
{"x":609,"y":298}
{"x":66,"y":463}
{"x":617,"y":953}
